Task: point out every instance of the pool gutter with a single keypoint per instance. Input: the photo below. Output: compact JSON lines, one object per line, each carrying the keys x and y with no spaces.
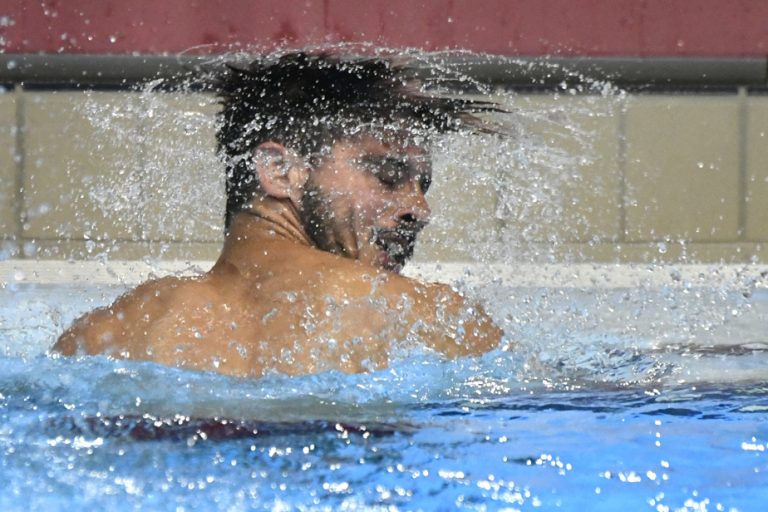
{"x":85,"y":70}
{"x":524,"y":275}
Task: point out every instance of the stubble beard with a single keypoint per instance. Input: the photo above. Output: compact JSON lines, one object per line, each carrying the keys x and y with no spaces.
{"x":399,"y":243}
{"x":317,"y":219}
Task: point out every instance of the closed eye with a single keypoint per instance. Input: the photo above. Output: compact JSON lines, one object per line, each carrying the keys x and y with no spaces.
{"x":389,"y":170}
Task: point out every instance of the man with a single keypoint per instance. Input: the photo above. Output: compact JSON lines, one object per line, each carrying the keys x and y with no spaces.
{"x":326,"y":177}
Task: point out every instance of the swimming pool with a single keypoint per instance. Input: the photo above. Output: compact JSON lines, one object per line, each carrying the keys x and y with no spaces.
{"x":619,"y":394}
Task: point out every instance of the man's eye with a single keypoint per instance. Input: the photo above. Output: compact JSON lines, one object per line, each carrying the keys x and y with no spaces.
{"x":387,"y":170}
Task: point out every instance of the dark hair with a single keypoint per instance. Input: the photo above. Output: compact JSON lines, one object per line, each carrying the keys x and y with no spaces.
{"x":306,"y":101}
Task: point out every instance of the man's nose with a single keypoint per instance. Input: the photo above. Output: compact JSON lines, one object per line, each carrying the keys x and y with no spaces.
{"x":414,"y":208}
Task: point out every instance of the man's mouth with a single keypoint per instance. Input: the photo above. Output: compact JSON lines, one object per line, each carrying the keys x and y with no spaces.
{"x":397,"y":245}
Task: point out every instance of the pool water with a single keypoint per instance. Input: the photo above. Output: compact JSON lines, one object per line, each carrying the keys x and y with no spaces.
{"x":656,"y":401}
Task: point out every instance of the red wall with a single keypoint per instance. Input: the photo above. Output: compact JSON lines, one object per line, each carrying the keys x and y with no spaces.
{"x":725,"y":28}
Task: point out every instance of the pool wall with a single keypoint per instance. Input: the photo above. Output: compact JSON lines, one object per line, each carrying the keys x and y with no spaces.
{"x":671,"y":177}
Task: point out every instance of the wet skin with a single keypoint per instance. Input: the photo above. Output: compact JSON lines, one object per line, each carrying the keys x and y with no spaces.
{"x":308,"y":279}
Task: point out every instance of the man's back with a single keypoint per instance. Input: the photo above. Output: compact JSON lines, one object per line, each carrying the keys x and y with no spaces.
{"x":291,"y":309}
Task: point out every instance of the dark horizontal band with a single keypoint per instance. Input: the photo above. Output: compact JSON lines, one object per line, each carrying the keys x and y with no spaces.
{"x":127,"y":70}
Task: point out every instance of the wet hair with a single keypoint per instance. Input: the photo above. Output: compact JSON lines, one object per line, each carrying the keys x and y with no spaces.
{"x":306,"y":102}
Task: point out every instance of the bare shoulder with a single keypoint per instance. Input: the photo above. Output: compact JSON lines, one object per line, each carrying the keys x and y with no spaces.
{"x":437,"y":313}
{"x":457,"y":325}
{"x":114,"y":326}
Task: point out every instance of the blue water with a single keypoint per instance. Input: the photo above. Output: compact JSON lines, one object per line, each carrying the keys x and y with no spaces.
{"x":578,"y":416}
{"x":98,"y":434}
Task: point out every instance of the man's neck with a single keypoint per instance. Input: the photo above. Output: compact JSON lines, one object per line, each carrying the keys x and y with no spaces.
{"x":268,"y":222}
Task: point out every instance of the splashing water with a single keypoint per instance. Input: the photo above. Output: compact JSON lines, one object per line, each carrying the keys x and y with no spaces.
{"x":609,"y":391}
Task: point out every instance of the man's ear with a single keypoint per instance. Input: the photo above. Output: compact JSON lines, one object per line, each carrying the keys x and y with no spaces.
{"x":282,"y":173}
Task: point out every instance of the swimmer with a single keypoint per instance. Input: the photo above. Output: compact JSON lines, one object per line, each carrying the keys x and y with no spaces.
{"x":326,"y":175}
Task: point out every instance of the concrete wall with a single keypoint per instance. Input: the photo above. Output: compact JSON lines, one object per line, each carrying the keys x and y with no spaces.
{"x":622,"y":177}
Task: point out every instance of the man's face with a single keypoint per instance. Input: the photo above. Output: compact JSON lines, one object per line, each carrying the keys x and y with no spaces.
{"x":365,"y":200}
